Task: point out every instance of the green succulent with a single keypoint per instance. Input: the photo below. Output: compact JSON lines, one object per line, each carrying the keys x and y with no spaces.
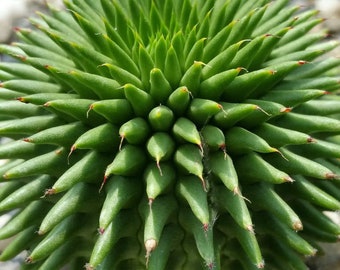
{"x":170,"y":134}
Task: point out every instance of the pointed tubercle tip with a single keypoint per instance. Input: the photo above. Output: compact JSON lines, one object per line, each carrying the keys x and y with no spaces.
{"x":206,"y":227}
{"x":73,"y":148}
{"x":48,"y":192}
{"x":331,"y":176}
{"x":150,"y":245}
{"x":122,"y":137}
{"x":260,"y":265}
{"x":29,"y":260}
{"x":288,"y":179}
{"x":159,"y":167}
{"x":311,"y":140}
{"x":210,"y":265}
{"x":250,"y":228}
{"x":101,"y":231}
{"x":21,"y":99}
{"x":88,"y":266}
{"x":302,"y":62}
{"x":203,"y":183}
{"x":286,"y":110}
{"x":297,"y":226}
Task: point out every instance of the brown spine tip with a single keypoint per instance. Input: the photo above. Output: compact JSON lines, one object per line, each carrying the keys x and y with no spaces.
{"x":261,"y":110}
{"x":260,"y":265}
{"x":88,"y":111}
{"x":103,"y":183}
{"x":150,"y":202}
{"x":203,"y":183}
{"x":285,"y":110}
{"x":329,"y":35}
{"x":184,"y":89}
{"x":210,"y":265}
{"x":331,"y":176}
{"x":21,"y":99}
{"x":236,"y":191}
{"x":59,"y":151}
{"x":150,"y":245}
{"x":199,"y":144}
{"x":311,"y":140}
{"x":27,"y":140}
{"x":302,"y":62}
{"x":73,"y":148}
{"x":250,"y":228}
{"x":159,"y":167}
{"x":29,"y":259}
{"x":48,"y":192}
{"x":297,"y":226}
{"x":101,"y":231}
{"x":206,"y":227}
{"x":239,"y":69}
{"x":70,"y":153}
{"x":288,"y":179}
{"x":21,"y":57}
{"x":223,"y":148}
{"x":88,"y":266}
{"x":122,"y":137}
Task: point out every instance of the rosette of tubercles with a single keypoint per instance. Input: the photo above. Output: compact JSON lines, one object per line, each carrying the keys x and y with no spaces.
{"x":192,"y":134}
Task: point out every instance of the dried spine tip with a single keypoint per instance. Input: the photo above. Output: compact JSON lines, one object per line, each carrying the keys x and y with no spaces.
{"x":331,"y":176}
{"x":150,"y":245}
{"x":29,"y":260}
{"x":88,"y":267}
{"x":288,"y":179}
{"x":103,"y":183}
{"x":206,"y":227}
{"x":285,"y":110}
{"x":250,"y":228}
{"x":150,"y":202}
{"x":298,"y":226}
{"x":50,"y":191}
{"x":204,"y":185}
{"x":210,"y":265}
{"x":311,"y":140}
{"x":260,"y":265}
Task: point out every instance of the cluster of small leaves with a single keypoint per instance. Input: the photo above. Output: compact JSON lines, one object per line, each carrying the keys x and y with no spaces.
{"x":170,"y":134}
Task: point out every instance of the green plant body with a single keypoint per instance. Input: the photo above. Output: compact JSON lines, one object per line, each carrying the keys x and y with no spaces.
{"x":170,"y":134}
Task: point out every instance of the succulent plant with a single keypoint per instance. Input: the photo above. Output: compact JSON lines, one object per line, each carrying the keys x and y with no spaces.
{"x":170,"y":134}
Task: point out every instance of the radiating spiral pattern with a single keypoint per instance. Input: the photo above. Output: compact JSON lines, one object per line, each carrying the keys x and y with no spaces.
{"x":170,"y":134}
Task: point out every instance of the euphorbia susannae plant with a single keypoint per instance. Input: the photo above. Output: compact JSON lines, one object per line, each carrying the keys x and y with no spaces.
{"x":170,"y":134}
